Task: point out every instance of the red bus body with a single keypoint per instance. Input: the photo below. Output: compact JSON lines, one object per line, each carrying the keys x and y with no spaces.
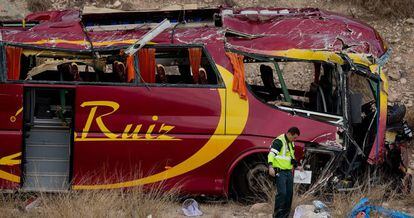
{"x":193,"y":137}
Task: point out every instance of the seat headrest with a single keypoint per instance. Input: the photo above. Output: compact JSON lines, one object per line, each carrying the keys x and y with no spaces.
{"x":202,"y":76}
{"x":161,"y":77}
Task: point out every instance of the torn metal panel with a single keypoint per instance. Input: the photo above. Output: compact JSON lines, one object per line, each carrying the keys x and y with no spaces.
{"x":329,"y":140}
{"x":302,"y":29}
{"x":60,"y":29}
{"x":255,"y":30}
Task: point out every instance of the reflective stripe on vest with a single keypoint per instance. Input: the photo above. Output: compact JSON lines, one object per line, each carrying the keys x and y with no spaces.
{"x":283,"y":159}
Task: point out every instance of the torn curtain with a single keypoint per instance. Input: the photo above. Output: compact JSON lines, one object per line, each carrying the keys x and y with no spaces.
{"x":146,"y":57}
{"x":239,"y":85}
{"x":13,"y":55}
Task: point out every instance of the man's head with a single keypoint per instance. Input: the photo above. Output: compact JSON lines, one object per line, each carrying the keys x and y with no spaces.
{"x":292,"y":134}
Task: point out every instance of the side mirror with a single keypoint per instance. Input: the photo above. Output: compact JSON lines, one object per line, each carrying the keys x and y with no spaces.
{"x":356,"y":102}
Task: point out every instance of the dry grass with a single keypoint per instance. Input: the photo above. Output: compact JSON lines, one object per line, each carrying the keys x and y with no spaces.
{"x":340,"y":204}
{"x":396,"y":8}
{"x":103,"y":203}
{"x":159,"y":203}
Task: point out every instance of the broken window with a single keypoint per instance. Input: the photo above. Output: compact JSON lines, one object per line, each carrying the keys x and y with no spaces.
{"x":182,"y":65}
{"x":364,"y":129}
{"x":150,"y":65}
{"x":60,"y":66}
{"x":49,"y":104}
{"x":307,"y":88}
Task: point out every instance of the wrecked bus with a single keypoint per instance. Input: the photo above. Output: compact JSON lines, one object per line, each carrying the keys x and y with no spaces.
{"x":196,"y":105}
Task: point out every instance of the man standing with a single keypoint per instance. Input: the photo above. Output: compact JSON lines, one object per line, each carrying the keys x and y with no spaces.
{"x":281,"y":161}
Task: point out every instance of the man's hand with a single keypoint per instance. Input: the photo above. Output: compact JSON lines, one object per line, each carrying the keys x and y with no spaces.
{"x":300,"y":168}
{"x":294,"y":163}
{"x":272,"y":171}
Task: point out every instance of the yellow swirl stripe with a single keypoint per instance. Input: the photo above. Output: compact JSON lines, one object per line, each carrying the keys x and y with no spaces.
{"x":237,"y":108}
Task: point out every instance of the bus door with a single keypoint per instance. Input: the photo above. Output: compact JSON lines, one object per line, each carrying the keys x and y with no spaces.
{"x":47,"y":123}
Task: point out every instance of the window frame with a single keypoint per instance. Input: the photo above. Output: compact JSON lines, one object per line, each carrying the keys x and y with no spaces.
{"x":3,"y":65}
{"x":136,"y":83}
{"x":220,"y":82}
{"x":339,"y":119}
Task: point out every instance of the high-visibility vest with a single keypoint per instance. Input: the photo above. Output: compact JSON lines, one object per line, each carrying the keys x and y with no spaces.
{"x":282,"y":159}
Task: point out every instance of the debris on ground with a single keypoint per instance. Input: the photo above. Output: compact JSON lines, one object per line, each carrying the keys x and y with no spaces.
{"x":364,"y":209}
{"x":309,"y":211}
{"x":32,"y":203}
{"x":190,"y":208}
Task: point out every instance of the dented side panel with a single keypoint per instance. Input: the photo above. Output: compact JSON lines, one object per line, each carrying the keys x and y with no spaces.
{"x":303,"y":29}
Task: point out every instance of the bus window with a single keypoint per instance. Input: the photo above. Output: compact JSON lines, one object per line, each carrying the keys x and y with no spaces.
{"x":59,"y":66}
{"x":181,"y":65}
{"x":303,"y":87}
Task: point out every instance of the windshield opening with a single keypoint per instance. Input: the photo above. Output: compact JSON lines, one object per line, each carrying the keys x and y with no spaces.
{"x":310,"y":89}
{"x":364,"y":131}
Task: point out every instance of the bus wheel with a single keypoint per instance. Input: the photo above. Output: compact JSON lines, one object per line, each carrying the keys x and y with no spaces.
{"x":251,"y":182}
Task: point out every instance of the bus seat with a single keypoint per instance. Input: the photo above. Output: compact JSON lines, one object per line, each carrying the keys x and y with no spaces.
{"x":69,"y":71}
{"x":266,"y":73}
{"x":161,"y":77}
{"x":74,"y":71}
{"x":120,"y":70}
{"x":202,"y":76}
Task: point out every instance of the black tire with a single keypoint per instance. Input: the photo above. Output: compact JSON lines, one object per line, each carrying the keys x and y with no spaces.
{"x":251,"y":182}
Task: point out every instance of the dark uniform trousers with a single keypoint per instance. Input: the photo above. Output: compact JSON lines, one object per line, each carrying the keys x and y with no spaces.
{"x":284,"y":194}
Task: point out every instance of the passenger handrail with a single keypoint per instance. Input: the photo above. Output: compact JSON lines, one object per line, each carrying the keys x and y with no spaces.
{"x":309,"y":113}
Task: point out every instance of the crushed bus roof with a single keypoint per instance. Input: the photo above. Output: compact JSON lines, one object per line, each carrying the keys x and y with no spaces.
{"x":255,"y":30}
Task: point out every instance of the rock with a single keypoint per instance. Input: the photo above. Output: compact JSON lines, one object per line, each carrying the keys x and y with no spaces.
{"x":127,"y":6}
{"x":395,"y":40}
{"x":393,"y":97}
{"x":398,"y":59}
{"x":263,"y":215}
{"x":117,"y":4}
{"x":403,"y":81}
{"x":260,"y":208}
{"x":410,"y":21}
{"x":307,"y":211}
{"x":394,"y":75}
